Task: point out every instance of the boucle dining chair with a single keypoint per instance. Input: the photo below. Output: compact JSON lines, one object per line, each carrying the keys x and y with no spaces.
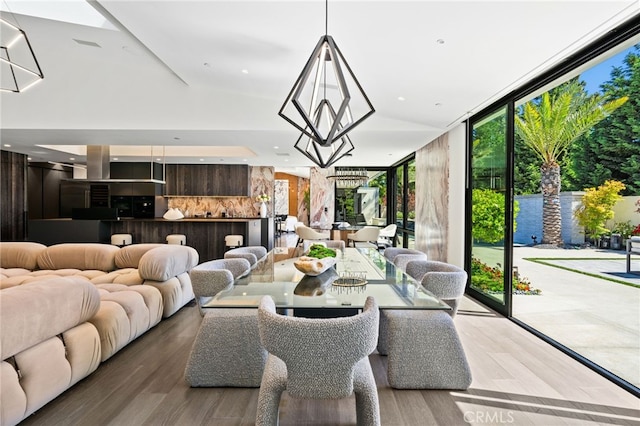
{"x":444,"y":280}
{"x":324,"y":358}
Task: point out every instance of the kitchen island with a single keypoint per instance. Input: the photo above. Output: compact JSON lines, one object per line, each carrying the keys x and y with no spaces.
{"x":206,"y":235}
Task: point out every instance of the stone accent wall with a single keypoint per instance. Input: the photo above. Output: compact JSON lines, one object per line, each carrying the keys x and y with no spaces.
{"x":432,"y":199}
{"x":322,"y":198}
{"x":303,"y":211}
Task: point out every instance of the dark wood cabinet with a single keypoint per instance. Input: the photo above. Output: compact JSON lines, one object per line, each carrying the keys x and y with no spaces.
{"x":207,"y":180}
{"x":135,"y":188}
{"x":135,"y":170}
{"x":43,"y":189}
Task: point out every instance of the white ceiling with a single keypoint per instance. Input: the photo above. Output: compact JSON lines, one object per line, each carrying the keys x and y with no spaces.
{"x":170,"y":74}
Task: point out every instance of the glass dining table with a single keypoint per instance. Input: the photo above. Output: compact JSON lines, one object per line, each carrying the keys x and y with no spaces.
{"x":340,"y":290}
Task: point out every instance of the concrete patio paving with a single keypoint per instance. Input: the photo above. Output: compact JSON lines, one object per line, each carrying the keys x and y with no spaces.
{"x":592,"y":315}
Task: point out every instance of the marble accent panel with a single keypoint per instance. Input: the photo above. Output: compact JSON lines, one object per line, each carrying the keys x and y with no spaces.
{"x":303,"y":210}
{"x":322,"y":198}
{"x":281,"y":198}
{"x":432,"y":199}
{"x":262,"y":182}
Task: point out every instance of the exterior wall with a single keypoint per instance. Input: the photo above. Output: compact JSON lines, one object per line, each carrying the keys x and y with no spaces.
{"x":529,"y":220}
{"x":625,"y":210}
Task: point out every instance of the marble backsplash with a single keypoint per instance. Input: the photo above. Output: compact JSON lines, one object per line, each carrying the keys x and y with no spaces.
{"x":262,"y":182}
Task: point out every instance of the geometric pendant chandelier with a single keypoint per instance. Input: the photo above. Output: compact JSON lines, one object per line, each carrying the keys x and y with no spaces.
{"x":325,"y":103}
{"x":19,"y":68}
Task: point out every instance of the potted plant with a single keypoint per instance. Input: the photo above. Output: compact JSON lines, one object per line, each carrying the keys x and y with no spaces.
{"x":624,"y":231}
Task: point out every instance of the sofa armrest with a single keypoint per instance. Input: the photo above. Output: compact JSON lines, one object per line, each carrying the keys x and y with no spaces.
{"x":163,"y":263}
{"x":34,"y":312}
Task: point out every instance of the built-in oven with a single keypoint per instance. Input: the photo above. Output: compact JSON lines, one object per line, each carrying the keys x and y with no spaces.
{"x":124,"y":204}
{"x":143,"y":206}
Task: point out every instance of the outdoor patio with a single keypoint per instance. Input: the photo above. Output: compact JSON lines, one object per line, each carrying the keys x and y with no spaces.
{"x":586,"y":311}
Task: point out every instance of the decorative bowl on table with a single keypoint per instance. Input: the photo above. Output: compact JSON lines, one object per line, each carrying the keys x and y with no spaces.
{"x":313,"y":266}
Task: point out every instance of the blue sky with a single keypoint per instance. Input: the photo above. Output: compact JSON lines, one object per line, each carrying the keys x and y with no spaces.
{"x":597,"y":75}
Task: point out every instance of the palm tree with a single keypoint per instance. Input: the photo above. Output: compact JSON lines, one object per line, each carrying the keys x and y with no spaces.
{"x":548,"y":125}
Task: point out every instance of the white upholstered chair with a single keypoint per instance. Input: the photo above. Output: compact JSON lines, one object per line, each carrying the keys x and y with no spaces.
{"x":306,"y":233}
{"x":387,"y":235}
{"x":368,"y":234}
{"x":320,"y":358}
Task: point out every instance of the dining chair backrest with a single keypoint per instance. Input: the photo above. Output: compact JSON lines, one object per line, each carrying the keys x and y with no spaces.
{"x":320,"y":353}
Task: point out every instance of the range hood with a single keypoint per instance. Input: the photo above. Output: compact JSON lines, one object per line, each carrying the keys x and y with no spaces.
{"x":99,"y":168}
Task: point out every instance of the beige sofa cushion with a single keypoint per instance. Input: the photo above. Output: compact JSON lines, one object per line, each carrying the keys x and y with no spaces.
{"x":167,"y":261}
{"x":79,"y":256}
{"x":129,"y":256}
{"x":20,"y":255}
{"x":34,"y":312}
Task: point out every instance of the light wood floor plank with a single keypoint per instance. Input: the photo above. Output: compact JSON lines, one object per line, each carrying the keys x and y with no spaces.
{"x":517,"y":379}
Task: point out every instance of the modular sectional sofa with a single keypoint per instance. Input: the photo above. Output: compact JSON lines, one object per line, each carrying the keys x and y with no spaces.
{"x":68,"y":307}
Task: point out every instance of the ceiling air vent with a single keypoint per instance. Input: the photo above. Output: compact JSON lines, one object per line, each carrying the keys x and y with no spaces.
{"x":87,"y":43}
{"x":282,"y":154}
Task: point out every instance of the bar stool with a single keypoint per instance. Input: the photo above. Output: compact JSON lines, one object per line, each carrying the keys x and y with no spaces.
{"x":121,"y":240}
{"x":233,"y":241}
{"x":178,"y":239}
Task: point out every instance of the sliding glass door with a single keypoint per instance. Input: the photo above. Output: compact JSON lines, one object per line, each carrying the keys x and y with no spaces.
{"x":488,"y":262}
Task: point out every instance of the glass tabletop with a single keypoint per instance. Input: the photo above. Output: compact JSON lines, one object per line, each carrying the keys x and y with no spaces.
{"x":357,"y":274}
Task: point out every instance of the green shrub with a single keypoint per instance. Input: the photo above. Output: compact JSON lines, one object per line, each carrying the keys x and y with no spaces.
{"x":488,"y":213}
{"x":597,"y":207}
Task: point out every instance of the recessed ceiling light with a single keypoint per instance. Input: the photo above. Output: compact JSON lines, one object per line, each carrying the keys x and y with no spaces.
{"x":245,"y":71}
{"x":276,"y":147}
{"x":29,"y":158}
{"x":400,"y":98}
{"x":115,"y":158}
{"x":7,"y":145}
{"x":244,"y":159}
{"x":158,"y":159}
{"x":202,"y":159}
{"x":72,"y":158}
{"x":440,"y":41}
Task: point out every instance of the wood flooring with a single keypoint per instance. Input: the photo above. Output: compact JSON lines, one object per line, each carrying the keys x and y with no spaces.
{"x":517,"y":379}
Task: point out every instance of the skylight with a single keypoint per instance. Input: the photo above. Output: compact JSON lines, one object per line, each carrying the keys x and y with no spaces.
{"x":71,"y":11}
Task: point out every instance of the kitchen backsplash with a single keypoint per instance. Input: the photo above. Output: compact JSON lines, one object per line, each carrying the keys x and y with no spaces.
{"x":262,"y":182}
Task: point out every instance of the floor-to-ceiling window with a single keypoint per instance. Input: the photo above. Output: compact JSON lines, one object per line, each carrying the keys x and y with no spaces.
{"x":489,"y":207}
{"x":404,"y":184}
{"x":544,"y":164}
